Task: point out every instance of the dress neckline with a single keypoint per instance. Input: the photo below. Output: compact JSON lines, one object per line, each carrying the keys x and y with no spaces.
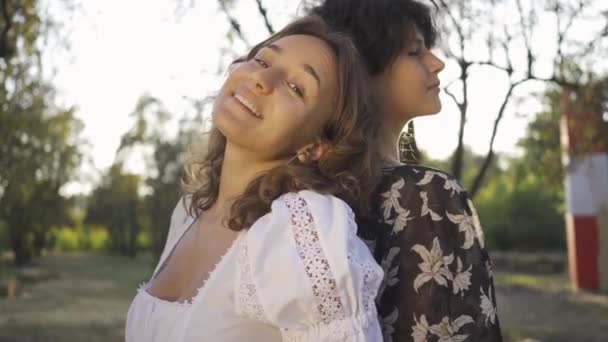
{"x":189,"y":223}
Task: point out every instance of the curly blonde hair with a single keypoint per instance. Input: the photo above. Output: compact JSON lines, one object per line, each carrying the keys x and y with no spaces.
{"x":348,"y":170}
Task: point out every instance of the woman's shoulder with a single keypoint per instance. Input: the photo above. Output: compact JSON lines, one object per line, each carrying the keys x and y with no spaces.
{"x":420,"y":178}
{"x":308,"y":208}
{"x":314,"y":201}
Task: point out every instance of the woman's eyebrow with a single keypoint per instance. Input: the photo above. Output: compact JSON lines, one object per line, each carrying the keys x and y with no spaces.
{"x":307,"y":67}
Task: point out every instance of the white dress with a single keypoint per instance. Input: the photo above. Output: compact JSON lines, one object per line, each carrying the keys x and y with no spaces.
{"x":300,"y":273}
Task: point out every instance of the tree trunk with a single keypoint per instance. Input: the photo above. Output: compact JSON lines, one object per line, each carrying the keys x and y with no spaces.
{"x":21,"y":252}
{"x":39,"y":244}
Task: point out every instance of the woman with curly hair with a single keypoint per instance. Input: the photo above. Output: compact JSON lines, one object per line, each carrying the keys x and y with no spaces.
{"x":263,"y":246}
{"x":425,"y":233}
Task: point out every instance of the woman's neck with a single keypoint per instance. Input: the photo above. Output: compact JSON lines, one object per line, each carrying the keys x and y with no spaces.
{"x":388,"y":144}
{"x":239,"y":168}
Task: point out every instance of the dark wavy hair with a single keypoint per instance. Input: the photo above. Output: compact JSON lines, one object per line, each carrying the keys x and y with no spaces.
{"x":381,"y":30}
{"x":350,"y":168}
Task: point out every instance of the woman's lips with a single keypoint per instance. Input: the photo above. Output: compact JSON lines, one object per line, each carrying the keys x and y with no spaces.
{"x":248,"y":105}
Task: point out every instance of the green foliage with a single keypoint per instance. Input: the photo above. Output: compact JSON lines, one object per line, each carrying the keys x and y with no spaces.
{"x":67,"y":240}
{"x":21,"y":27}
{"x":471,"y":163}
{"x":39,"y":144}
{"x":80,"y":238}
{"x":144,"y":241}
{"x":98,"y":239}
{"x":522,"y":208}
{"x":115,"y":204}
{"x":521,"y":214}
{"x":165,"y":162}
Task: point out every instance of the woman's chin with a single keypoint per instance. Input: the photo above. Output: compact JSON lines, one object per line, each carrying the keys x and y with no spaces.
{"x":432,"y":110}
{"x":227,"y":125}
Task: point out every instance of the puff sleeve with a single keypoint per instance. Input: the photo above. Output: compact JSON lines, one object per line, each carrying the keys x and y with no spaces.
{"x":302,"y":269}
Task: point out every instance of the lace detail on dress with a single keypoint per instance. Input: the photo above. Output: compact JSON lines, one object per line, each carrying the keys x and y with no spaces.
{"x":247,"y":297}
{"x":338,"y":330}
{"x":328,"y":301}
{"x":369,"y":290}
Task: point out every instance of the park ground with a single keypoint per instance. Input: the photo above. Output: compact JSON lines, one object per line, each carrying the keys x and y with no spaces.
{"x":88,"y":294}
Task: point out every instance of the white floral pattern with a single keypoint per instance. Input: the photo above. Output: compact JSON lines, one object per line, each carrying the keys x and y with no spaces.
{"x":466,"y":226}
{"x":392,"y":199}
{"x":476,"y":224}
{"x":433,"y":266}
{"x":400,"y":222}
{"x":425,"y":207}
{"x":487,"y":306}
{"x":390,"y":273}
{"x":450,"y":184}
{"x":462,"y":279}
{"x":420,"y":331}
{"x":435,"y":256}
{"x":391,"y":203}
{"x":388,"y":323}
{"x":447,"y":330}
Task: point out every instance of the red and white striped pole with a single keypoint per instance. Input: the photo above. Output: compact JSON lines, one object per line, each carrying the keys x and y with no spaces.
{"x":586,"y":190}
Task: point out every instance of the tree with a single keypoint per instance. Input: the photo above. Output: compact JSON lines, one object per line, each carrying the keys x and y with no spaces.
{"x":523,"y":208}
{"x":39,"y":144}
{"x":161,"y":183}
{"x":167,"y":165}
{"x":115,"y":203}
{"x":466,"y":22}
{"x":507,"y":29}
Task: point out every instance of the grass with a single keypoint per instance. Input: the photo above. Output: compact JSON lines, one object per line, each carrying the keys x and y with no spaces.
{"x":90,"y":299}
{"x":547,"y":282}
{"x":543,"y":307}
{"x":88,"y":302}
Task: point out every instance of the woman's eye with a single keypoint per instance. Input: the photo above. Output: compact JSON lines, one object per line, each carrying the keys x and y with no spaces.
{"x":261,"y":62}
{"x":295,"y":89}
{"x":415,"y":52}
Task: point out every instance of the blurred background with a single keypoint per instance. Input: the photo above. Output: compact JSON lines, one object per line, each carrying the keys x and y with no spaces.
{"x":99,"y":100}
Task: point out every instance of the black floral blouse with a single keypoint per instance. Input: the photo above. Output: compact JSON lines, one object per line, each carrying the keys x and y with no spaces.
{"x":438,"y":283}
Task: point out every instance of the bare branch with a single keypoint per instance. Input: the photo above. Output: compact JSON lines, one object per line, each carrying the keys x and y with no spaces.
{"x":508,"y":70}
{"x":553,"y":79}
{"x":450,"y":94}
{"x":489,"y":157}
{"x":505,"y":45}
{"x":524,"y":28}
{"x":458,"y":28}
{"x":234,"y":24}
{"x":562,"y":33}
{"x":264,"y":14}
{"x":526,"y":34}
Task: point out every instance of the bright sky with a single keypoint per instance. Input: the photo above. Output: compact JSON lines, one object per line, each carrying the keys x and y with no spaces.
{"x":120,"y":50}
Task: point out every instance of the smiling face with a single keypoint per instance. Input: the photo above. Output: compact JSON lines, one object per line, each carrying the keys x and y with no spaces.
{"x":278,"y":101}
{"x":410,"y":86}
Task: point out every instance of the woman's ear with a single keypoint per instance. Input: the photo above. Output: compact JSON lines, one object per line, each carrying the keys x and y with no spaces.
{"x":314,"y":151}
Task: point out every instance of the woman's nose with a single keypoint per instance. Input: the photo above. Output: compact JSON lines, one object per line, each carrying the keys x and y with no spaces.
{"x":436,"y":65}
{"x":263,"y":81}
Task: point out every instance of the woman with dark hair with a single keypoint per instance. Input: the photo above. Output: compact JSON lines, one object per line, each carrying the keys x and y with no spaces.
{"x":263,"y":246}
{"x":438,"y":283}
